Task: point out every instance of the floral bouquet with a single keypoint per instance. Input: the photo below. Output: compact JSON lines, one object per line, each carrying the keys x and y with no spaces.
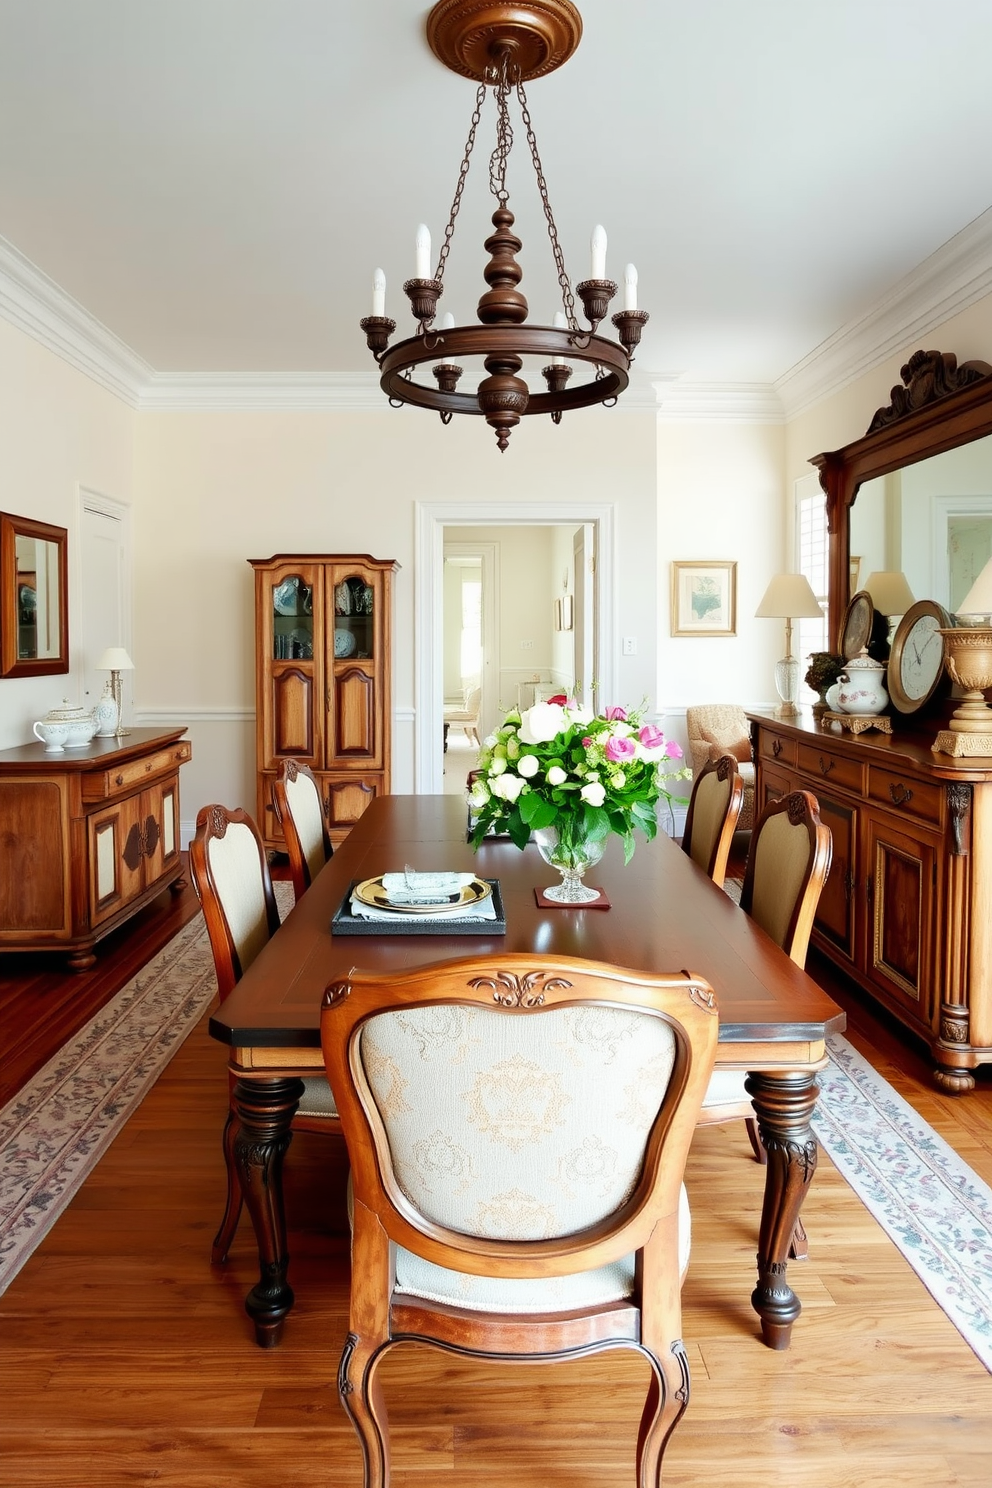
{"x":559,"y":766}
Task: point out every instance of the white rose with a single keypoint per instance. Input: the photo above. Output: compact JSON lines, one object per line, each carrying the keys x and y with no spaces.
{"x":507,"y":787}
{"x":529,"y":766}
{"x":541,"y":723}
{"x":556,"y":775}
{"x":594,"y":793}
{"x":498,"y":765}
{"x":479,"y":794}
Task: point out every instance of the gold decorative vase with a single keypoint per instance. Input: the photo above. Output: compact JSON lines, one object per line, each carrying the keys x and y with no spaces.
{"x":968,"y":658}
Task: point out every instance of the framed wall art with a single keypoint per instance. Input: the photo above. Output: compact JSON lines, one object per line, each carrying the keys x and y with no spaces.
{"x":704,"y":598}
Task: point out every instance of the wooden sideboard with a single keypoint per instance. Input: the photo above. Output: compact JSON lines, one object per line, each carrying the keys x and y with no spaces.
{"x":907,"y":909}
{"x":86,"y":838}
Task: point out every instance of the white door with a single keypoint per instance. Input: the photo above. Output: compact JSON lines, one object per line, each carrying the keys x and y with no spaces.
{"x":584,"y":621}
{"x":104,"y":591}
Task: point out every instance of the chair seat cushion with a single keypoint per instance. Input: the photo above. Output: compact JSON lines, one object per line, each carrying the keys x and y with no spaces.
{"x":317,"y":1099}
{"x":419,"y":1278}
{"x":726,"y":1088}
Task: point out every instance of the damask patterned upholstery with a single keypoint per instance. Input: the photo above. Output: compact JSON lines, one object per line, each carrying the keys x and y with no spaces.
{"x":714,"y":811}
{"x":518,"y":1130}
{"x":715,"y":729}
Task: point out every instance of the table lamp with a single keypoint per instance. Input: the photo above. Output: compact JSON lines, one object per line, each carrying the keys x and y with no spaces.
{"x":116,"y":660}
{"x":788,"y":597}
{"x":890,"y":593}
{"x":968,"y":658}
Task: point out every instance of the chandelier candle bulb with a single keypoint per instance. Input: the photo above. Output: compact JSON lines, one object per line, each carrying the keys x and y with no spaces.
{"x":630,"y":288}
{"x":423,"y":269}
{"x":378,"y":293}
{"x":597,"y":247}
{"x":560,"y":324}
{"x":447,"y":321}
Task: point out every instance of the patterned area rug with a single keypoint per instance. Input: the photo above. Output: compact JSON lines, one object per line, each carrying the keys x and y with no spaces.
{"x":54,"y":1132}
{"x":930,"y":1203}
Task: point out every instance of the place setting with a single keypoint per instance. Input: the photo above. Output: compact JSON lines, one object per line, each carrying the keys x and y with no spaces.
{"x":412,"y":903}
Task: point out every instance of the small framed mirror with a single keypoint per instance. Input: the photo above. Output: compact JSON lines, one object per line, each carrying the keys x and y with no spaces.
{"x":34,"y":598}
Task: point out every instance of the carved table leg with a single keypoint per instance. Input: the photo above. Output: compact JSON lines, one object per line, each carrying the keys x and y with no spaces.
{"x":783,"y":1104}
{"x":266,"y":1110}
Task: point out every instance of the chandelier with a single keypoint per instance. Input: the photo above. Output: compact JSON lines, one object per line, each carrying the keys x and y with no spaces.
{"x":502,"y":45}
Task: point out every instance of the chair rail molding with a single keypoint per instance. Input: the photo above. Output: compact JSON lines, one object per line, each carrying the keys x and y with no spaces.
{"x":431,"y":518}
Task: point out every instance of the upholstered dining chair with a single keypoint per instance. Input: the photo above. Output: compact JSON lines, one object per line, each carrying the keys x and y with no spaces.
{"x":711,"y":821}
{"x":716,"y":729}
{"x":466,"y":717}
{"x":787,"y":866}
{"x":301,"y":814}
{"x":517,"y":1128}
{"x":231,"y":877}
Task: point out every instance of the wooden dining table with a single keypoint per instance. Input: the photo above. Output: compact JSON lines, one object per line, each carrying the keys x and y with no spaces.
{"x":665,"y":915}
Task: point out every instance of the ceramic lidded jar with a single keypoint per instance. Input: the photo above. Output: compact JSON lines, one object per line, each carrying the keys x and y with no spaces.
{"x":862,"y":689}
{"x":105,"y":714}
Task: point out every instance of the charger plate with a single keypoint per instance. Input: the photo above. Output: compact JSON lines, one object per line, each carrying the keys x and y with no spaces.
{"x":345,"y":922}
{"x":372,"y":893}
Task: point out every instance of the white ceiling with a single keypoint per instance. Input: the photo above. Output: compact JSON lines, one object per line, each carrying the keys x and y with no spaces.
{"x":214,"y":180}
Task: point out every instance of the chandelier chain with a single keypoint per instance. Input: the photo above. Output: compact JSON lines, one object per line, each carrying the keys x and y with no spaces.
{"x":480,"y":98}
{"x":566,"y":289}
{"x":504,"y":139}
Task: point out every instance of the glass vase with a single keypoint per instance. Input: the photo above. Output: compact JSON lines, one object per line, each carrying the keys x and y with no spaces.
{"x":568,"y":848}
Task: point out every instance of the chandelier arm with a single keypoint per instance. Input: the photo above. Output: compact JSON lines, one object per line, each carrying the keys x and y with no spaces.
{"x":460,"y":185}
{"x":567,"y":300}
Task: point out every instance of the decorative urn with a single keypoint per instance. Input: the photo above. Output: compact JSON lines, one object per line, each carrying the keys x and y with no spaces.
{"x":862,"y":689}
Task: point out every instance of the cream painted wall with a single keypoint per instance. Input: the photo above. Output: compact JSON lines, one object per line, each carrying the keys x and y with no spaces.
{"x":719,"y":496}
{"x":214,"y":489}
{"x":58,"y":430}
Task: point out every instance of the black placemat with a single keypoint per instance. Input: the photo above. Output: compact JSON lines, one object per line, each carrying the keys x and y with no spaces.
{"x":346,"y":923}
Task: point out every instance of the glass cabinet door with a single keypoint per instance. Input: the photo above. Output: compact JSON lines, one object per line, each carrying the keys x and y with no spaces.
{"x":292,"y":620}
{"x":354,"y":619}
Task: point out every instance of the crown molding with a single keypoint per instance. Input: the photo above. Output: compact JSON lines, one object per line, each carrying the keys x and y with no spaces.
{"x":36,"y":305}
{"x":262,"y":392}
{"x":719,"y":402}
{"x":957,"y":275}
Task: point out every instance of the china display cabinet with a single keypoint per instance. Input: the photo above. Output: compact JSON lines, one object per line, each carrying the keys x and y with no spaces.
{"x":323,"y":684}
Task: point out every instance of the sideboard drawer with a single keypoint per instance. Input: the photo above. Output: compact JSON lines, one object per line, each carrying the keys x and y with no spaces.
{"x":917,"y":798}
{"x":103,"y":785}
{"x":822,"y":764}
{"x":776,"y":747}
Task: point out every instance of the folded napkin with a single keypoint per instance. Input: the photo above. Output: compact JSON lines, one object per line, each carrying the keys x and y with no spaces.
{"x":421,"y":888}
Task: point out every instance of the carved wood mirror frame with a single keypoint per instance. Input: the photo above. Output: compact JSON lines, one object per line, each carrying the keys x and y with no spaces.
{"x":939,"y":407}
{"x":12,"y":664}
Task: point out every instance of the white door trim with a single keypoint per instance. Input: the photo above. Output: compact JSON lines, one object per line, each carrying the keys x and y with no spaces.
{"x":120,"y":511}
{"x":431,"y":518}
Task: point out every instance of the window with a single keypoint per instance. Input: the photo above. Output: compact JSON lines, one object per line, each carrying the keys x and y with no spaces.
{"x":812,"y":543}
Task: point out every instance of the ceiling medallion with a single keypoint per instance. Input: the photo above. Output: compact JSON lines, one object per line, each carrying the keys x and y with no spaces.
{"x":502,"y":45}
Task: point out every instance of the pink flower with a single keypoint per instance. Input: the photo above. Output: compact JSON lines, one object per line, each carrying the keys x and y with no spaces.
{"x":673,"y":750}
{"x":615,"y":715}
{"x":587,"y":742}
{"x":651,"y":736}
{"x":620,"y":749}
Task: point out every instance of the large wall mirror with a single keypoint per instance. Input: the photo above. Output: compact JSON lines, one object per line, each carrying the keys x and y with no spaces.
{"x":34,"y":608}
{"x":914,"y":494}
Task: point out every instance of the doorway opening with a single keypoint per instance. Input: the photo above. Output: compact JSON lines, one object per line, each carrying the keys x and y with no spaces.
{"x":514,"y":604}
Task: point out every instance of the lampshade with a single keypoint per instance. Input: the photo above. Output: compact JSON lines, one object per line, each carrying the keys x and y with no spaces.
{"x":890,"y":591}
{"x":978,"y":600}
{"x":789,"y":597}
{"x":115,"y":659}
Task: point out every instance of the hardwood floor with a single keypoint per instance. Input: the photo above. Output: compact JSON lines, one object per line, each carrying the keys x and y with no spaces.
{"x":126,"y":1359}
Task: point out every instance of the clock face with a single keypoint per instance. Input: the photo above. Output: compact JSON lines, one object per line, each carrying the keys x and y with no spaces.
{"x":856,"y":630}
{"x":917,"y":660}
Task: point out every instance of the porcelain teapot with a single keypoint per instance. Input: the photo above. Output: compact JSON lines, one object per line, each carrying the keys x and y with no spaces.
{"x":65,"y":728}
{"x":861,"y":689}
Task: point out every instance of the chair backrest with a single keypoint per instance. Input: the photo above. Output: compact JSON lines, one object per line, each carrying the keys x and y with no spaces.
{"x":304,"y":825}
{"x":715,"y":729}
{"x":232,"y":881}
{"x":519,"y":1116}
{"x":714,"y":810}
{"x":787,"y":867}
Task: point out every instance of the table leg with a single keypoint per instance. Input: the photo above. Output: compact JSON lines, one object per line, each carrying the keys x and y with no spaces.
{"x":783,"y":1105}
{"x":265,"y":1110}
